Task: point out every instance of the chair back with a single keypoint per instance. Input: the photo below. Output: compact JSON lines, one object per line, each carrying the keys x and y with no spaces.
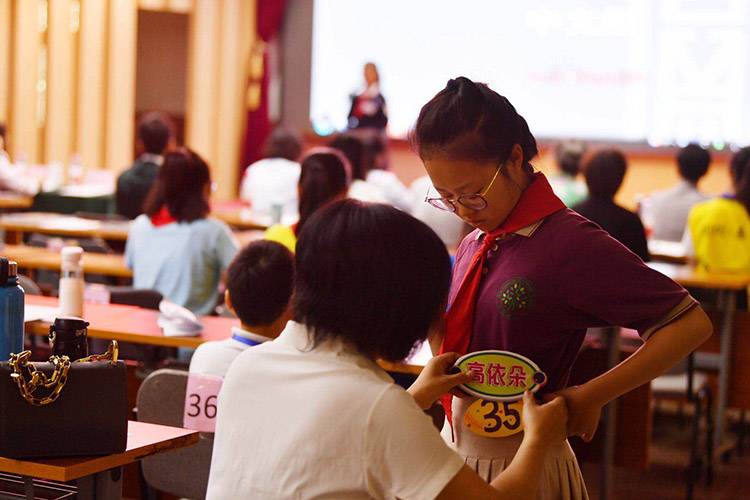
{"x":140,"y":297}
{"x":183,"y":472}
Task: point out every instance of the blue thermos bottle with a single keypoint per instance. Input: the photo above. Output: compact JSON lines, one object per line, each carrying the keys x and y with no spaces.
{"x":11,"y":310}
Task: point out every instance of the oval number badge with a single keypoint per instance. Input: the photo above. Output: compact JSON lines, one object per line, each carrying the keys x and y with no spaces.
{"x":494,"y":419}
{"x":500,"y":375}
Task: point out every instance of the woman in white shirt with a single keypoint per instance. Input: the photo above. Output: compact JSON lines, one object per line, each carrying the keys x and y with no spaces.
{"x":270,"y":184}
{"x":312,"y":415}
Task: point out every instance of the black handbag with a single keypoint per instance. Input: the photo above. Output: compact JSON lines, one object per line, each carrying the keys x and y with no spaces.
{"x":63,"y":408}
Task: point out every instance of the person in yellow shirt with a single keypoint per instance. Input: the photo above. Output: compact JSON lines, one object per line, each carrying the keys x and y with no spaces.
{"x":718,"y":233}
{"x":325,"y":176}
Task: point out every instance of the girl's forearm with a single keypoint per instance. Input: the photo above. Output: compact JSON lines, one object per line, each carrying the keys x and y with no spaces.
{"x":665,"y":348}
{"x":521,"y":478}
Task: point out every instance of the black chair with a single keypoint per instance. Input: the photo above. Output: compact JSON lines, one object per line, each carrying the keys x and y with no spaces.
{"x":140,"y":297}
{"x":149,"y":356}
{"x":685,"y":384}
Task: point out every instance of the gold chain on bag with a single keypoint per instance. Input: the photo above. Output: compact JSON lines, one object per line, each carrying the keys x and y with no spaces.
{"x":56,"y":382}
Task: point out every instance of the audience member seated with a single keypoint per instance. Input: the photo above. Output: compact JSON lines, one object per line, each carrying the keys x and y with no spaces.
{"x":10,"y":178}
{"x":155,"y":132}
{"x":259,"y":286}
{"x":448,"y":227}
{"x":312,"y":415}
{"x":718,"y":233}
{"x":604,"y":174}
{"x":270,"y":184}
{"x":325,"y":176}
{"x":379,"y":175}
{"x":354,"y":149}
{"x":566,"y":184}
{"x":173,"y":247}
{"x":666,"y":212}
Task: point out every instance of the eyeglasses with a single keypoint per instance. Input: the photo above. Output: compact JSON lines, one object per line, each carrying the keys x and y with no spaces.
{"x":474,"y":201}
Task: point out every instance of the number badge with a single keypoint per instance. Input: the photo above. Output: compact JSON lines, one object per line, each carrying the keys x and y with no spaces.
{"x":500,"y":375}
{"x":494,"y":419}
{"x":200,"y":402}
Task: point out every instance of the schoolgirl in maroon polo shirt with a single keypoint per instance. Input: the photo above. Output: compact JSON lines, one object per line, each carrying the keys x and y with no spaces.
{"x":534,"y":276}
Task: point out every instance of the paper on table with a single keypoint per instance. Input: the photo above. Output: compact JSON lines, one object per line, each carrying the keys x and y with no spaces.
{"x":36,"y":313}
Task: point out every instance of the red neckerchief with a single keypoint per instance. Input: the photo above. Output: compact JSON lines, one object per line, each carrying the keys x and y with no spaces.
{"x":162,"y":217}
{"x":537,"y":202}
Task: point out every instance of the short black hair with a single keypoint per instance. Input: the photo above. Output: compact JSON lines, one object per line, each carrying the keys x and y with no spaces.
{"x":354,"y":149}
{"x":180,"y":186}
{"x":604,"y":173}
{"x":568,"y":155}
{"x":693,"y":162}
{"x":154,"y":131}
{"x":259,"y":281}
{"x":3,"y":132}
{"x":283,"y":143}
{"x":469,"y":120}
{"x":371,"y":275}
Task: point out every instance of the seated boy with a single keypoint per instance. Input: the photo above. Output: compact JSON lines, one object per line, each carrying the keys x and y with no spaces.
{"x":259,"y":287}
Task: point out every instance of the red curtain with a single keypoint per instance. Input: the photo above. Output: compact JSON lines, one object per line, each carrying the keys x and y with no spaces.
{"x":269,"y":16}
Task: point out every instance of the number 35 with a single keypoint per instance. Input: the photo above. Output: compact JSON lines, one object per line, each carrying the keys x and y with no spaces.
{"x":511,"y":421}
{"x":209,"y":406}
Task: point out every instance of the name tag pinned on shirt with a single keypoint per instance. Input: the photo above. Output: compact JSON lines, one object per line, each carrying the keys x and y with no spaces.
{"x":201,"y":396}
{"x":500,"y":375}
{"x":499,"y":379}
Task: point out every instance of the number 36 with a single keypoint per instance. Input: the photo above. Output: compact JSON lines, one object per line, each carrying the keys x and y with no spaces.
{"x":209,"y":406}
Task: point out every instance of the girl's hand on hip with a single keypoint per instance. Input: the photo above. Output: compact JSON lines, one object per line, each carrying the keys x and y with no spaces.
{"x":583,"y":412}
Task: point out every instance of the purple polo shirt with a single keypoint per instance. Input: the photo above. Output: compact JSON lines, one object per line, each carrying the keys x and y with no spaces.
{"x":544,"y":285}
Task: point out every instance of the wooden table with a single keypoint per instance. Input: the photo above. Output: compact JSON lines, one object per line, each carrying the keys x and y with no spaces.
{"x":139,"y":326}
{"x":29,"y":257}
{"x":14,"y":201}
{"x":100,"y":477}
{"x":16,"y":224}
{"x":132,"y":324}
{"x":667,"y":251}
{"x":236,"y":214}
{"x":727,"y":285}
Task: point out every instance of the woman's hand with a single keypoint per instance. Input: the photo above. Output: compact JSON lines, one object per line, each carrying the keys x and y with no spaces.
{"x":547,"y":423}
{"x":583,"y":412}
{"x":436,"y":380}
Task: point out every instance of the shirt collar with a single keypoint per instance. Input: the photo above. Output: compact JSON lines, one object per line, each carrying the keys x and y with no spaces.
{"x":236,"y":330}
{"x":297,"y":336}
{"x":527,"y":231}
{"x":152,"y":158}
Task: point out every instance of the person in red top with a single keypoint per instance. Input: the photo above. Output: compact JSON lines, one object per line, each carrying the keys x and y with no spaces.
{"x":534,"y":275}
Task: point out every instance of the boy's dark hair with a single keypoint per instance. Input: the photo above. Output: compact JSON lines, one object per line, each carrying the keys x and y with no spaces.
{"x":371,"y":275}
{"x":154,"y":131}
{"x":354,"y":150}
{"x":3,"y":136}
{"x":324,"y":175}
{"x":259,"y":281}
{"x":739,"y":167}
{"x":283,"y":143}
{"x":468,"y":120}
{"x":180,"y":187}
{"x":604,"y":173}
{"x":693,"y":162}
{"x":568,"y":155}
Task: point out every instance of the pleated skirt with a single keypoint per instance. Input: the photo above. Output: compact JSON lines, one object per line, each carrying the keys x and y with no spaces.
{"x":561,"y":477}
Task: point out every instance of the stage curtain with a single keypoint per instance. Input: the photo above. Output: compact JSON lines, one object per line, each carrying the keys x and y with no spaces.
{"x":269,"y":17}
